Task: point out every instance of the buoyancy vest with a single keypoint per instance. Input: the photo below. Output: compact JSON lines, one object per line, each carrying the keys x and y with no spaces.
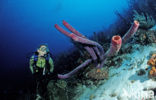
{"x":46,"y":69}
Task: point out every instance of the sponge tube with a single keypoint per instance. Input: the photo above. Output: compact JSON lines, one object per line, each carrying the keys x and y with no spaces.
{"x":114,"y":48}
{"x":130,"y":32}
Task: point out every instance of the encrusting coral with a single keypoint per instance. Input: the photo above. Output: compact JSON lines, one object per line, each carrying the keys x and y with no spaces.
{"x":97,"y":74}
{"x":152,"y":63}
{"x":145,"y":37}
{"x":93,"y":48}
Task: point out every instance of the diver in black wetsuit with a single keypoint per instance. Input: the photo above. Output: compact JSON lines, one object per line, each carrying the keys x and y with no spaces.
{"x":41,"y":65}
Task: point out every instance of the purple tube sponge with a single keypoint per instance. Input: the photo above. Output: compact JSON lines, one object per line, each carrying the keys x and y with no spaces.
{"x":93,"y":48}
{"x":74,"y":37}
{"x":130,"y":32}
{"x":75,"y":70}
{"x":114,"y":48}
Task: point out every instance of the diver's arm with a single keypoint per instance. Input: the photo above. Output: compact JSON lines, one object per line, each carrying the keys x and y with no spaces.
{"x":31,"y":64}
{"x":51,"y":63}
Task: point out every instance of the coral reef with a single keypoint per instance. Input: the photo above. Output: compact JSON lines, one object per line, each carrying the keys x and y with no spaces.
{"x":93,"y":48}
{"x":97,"y":74}
{"x":152,"y":63}
{"x":144,"y":8}
{"x":144,"y":37}
{"x":57,"y":90}
{"x":146,"y":21}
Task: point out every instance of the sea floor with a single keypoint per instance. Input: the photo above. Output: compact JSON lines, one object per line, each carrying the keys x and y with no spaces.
{"x":124,"y":83}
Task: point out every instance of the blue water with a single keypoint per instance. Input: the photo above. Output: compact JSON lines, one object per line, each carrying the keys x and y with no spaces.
{"x":24,"y":24}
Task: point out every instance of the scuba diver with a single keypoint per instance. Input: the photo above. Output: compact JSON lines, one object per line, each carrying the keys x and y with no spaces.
{"x":41,"y":65}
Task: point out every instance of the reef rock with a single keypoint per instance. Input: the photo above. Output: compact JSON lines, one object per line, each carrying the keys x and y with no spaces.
{"x":145,"y":36}
{"x":97,"y":74}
